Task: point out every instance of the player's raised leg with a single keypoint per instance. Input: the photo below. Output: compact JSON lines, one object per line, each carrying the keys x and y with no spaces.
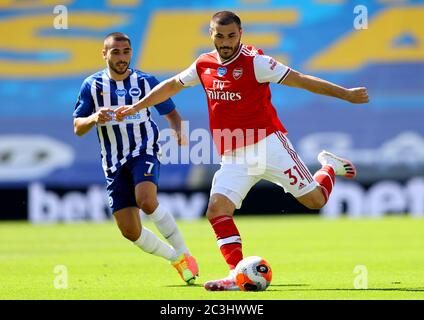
{"x":332,"y":166}
{"x":342,"y":167}
{"x":185,"y":264}
{"x":286,"y":168}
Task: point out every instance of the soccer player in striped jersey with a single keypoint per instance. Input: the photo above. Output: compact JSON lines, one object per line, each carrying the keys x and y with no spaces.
{"x":243,"y":122}
{"x":130,"y":151}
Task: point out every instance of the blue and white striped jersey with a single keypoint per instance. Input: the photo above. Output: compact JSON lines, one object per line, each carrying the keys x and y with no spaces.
{"x":137,"y":134}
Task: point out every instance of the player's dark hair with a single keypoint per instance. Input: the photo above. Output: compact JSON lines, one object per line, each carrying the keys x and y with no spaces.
{"x":224,"y":18}
{"x":117,"y":36}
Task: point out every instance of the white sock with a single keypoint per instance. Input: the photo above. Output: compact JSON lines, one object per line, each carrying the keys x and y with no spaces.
{"x":167,"y":226}
{"x":232,"y":274}
{"x":150,"y":243}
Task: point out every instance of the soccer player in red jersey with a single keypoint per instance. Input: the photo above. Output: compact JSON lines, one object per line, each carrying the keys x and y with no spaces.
{"x":247,"y":132}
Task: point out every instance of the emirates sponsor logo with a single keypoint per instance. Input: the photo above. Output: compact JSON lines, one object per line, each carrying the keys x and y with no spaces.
{"x":237,"y":73}
{"x":223,"y":95}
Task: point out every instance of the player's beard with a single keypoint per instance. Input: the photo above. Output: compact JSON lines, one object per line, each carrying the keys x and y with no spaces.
{"x":119,"y":71}
{"x":231,"y":52}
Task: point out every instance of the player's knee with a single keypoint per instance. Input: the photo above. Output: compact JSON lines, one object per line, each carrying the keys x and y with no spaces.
{"x":215,"y":209}
{"x":147,"y":203}
{"x":131,"y":233}
{"x":313,"y":200}
{"x":316,"y":202}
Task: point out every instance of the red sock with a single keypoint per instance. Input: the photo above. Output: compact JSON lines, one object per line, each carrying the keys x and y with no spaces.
{"x":228,"y":239}
{"x":326,"y":178}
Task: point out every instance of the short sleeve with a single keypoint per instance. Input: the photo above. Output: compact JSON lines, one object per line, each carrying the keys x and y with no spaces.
{"x":189,"y":76}
{"x":84,"y":106}
{"x":268,"y":69}
{"x":164,"y":107}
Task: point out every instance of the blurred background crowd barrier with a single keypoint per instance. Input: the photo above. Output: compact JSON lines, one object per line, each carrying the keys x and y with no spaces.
{"x":47,"y":174}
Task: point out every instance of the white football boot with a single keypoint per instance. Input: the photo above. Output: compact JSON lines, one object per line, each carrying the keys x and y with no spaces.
{"x":342,"y":167}
{"x":225,"y":284}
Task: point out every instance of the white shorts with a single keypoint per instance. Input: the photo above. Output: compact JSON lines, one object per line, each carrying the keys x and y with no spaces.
{"x":273,"y":159}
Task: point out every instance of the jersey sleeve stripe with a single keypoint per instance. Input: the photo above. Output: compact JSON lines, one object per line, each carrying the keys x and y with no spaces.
{"x":179,"y":79}
{"x":284,"y":76}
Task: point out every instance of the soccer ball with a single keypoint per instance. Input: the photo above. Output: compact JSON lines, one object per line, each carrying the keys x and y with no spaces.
{"x":253,"y":274}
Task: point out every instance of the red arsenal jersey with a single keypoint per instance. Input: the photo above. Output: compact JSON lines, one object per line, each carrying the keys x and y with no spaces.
{"x":238,"y":94}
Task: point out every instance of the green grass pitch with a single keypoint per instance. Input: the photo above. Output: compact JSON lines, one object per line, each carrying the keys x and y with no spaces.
{"x":311,"y":258}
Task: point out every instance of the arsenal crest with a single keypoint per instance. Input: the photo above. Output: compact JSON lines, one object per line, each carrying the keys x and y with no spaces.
{"x":237,"y":73}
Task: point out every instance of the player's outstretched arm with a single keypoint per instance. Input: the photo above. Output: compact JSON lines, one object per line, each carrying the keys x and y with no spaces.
{"x":159,"y":93}
{"x":84,"y":124}
{"x":320,"y":86}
